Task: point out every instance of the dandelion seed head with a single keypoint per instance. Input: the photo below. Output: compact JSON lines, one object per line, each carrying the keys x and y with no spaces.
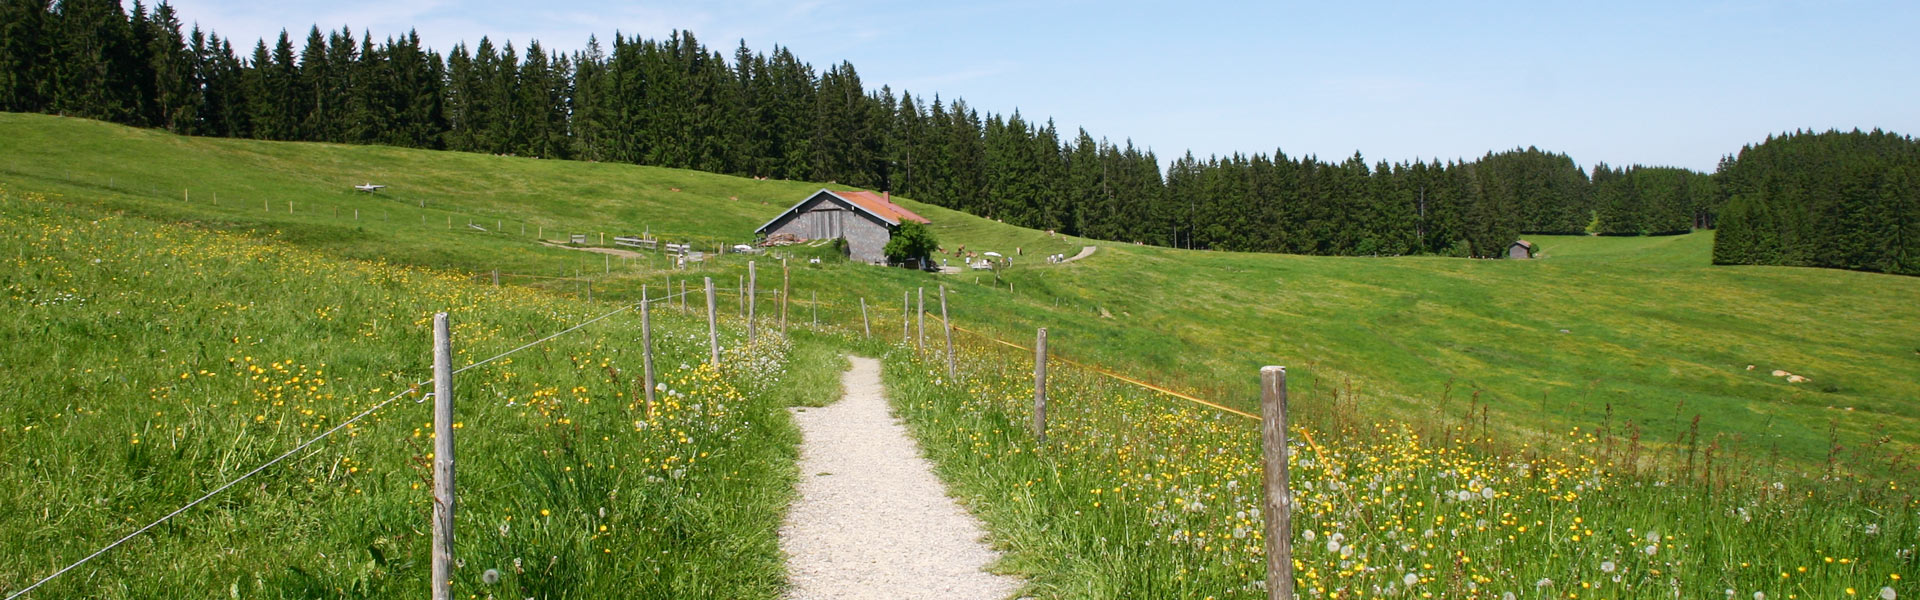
{"x":490,"y":577}
{"x":1607,"y":566}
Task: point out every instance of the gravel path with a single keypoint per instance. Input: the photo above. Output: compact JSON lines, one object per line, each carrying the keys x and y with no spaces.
{"x":1085,"y":251}
{"x":872,"y":520}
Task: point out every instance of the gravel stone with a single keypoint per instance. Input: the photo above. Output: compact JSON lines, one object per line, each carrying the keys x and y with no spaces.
{"x":872,"y":520}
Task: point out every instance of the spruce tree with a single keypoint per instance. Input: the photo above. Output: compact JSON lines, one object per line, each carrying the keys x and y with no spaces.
{"x":26,"y":67}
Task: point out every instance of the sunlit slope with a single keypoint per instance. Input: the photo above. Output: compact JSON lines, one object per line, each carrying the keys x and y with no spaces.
{"x":1644,"y":325}
{"x":249,"y":183}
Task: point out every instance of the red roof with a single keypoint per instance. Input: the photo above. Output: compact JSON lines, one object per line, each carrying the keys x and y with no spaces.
{"x":879,"y":205}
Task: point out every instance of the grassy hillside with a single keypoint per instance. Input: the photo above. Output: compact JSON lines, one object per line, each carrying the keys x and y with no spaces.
{"x":1643,"y":327}
{"x":147,"y":363}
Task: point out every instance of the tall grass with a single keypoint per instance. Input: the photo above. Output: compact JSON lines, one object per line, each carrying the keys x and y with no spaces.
{"x":1142,"y":495}
{"x":148,"y":363}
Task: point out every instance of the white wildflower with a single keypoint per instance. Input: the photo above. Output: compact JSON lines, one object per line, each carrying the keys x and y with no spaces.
{"x":1886,"y":593}
{"x":1410,"y":579}
{"x":1607,"y":566}
{"x":1651,"y":548}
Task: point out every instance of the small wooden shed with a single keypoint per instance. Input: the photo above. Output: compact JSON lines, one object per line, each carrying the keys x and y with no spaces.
{"x":1520,"y":249}
{"x":865,"y":219}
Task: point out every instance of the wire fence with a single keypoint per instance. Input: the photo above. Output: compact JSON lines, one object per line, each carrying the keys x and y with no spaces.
{"x":412,"y":389}
{"x":785,"y":297}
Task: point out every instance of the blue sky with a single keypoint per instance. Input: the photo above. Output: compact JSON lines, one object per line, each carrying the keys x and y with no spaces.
{"x":1662,"y":83}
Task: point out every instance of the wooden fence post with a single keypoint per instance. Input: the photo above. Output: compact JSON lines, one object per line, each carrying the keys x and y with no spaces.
{"x":816,"y":309}
{"x":646,"y":344}
{"x":713,"y":326}
{"x":496,"y":278}
{"x":753,"y":282}
{"x":1279,"y":504}
{"x":442,"y":558}
{"x":289,"y":207}
{"x":741,"y":288}
{"x":786,"y":290}
{"x":920,"y":319}
{"x":864,"y":326}
{"x":683,"y":297}
{"x":948,"y":325}
{"x":1040,"y":386}
{"x":906,"y":317}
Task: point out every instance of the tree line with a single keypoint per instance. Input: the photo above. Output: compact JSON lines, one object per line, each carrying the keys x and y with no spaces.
{"x":1842,"y":200}
{"x":677,"y":103}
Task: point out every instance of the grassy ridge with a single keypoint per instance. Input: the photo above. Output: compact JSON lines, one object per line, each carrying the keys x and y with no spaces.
{"x":148,"y":362}
{"x":1644,"y":326}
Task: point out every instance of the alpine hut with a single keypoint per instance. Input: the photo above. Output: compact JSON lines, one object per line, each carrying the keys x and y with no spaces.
{"x":865,"y":219}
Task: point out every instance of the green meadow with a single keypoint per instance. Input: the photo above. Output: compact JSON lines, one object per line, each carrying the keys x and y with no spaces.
{"x":1626,"y":334}
{"x":184,"y":309}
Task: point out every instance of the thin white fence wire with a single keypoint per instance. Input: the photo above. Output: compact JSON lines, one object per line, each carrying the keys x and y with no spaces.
{"x":303,"y":445}
{"x":216,"y":491}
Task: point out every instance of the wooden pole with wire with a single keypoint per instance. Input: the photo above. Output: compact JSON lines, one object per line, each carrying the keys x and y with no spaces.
{"x":713,"y":326}
{"x":786,"y":291}
{"x":442,"y":556}
{"x":753,"y":282}
{"x":947,"y":325}
{"x":646,"y":345}
{"x":1040,"y":386}
{"x":1279,"y":498}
